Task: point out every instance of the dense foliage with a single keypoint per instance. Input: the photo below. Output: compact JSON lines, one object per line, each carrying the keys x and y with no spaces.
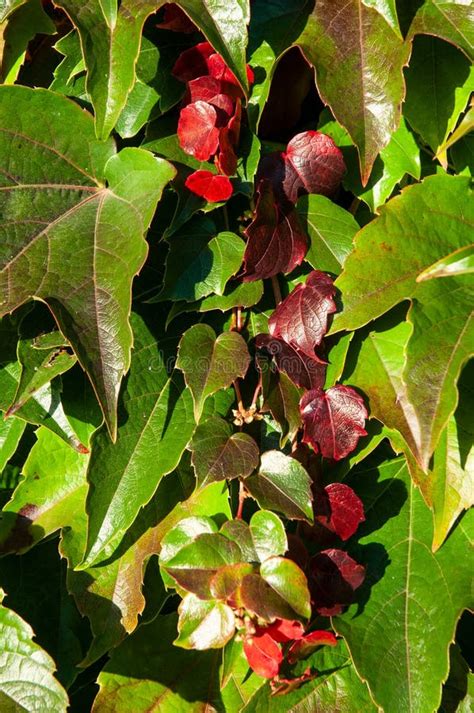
{"x":236,"y":297}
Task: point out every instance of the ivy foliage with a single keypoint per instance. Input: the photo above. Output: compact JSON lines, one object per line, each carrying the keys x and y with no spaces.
{"x":236,"y":257}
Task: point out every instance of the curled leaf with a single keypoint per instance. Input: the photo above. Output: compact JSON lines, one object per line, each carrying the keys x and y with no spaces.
{"x":306,"y":645}
{"x":263,"y":655}
{"x":339,"y":509}
{"x":333,"y":420}
{"x":334,"y":578}
{"x":276,"y":240}
{"x":302,"y":318}
{"x":307,"y":372}
{"x":313,"y":164}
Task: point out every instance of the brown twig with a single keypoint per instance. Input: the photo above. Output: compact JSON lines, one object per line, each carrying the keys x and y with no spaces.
{"x":242,"y":496}
{"x":276,"y":289}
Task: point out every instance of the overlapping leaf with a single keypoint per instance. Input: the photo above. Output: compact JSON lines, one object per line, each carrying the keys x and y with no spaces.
{"x":62,"y":227}
{"x":416,"y":597}
{"x":426,"y":222}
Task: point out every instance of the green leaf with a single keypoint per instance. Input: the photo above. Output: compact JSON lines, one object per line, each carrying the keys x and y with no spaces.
{"x":11,"y":430}
{"x":452,"y":20}
{"x":45,"y":499}
{"x":156,"y":90}
{"x":8,"y":6}
{"x":204,"y":625}
{"x":156,"y":425}
{"x":238,"y":682}
{"x":399,"y":158}
{"x":282,"y":399}
{"x":359,"y":59}
{"x":199,"y":267}
{"x":334,"y":687}
{"x":42,"y":358}
{"x":178,"y":537}
{"x":220,"y":454}
{"x":209,"y":363}
{"x":465,"y":127}
{"x":274,"y":27}
{"x":26,"y":677}
{"x":282,"y":484}
{"x":22,"y":26}
{"x":268,"y":535}
{"x":413,"y":231}
{"x":147,"y":671}
{"x":337,"y":348}
{"x":244,"y":294}
{"x":410,"y":594}
{"x":228,"y":579}
{"x":195,"y":564}
{"x":289,"y":582}
{"x":447,"y":487}
{"x":110,"y":40}
{"x":44,"y":407}
{"x":331,"y":230}
{"x":459,"y":262}
{"x":90,"y":236}
{"x":439,"y":80}
{"x":69,"y":75}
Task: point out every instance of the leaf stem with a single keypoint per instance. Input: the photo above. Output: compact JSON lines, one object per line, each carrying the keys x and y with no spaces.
{"x":242,"y":496}
{"x":238,"y":394}
{"x":256,"y":393}
{"x":276,"y":289}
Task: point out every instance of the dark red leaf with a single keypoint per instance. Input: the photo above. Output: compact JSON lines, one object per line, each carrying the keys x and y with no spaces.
{"x":304,"y":371}
{"x":197,"y":131}
{"x":192,"y":63}
{"x":333,"y":420}
{"x":276,"y":240}
{"x":209,"y":186}
{"x":263,"y":655}
{"x":305,"y":646}
{"x":228,"y":138}
{"x":302,"y":318}
{"x":313,"y":164}
{"x":211,"y":90}
{"x":283,"y":630}
{"x":339,"y":509}
{"x":334,"y":577}
{"x":176,"y":20}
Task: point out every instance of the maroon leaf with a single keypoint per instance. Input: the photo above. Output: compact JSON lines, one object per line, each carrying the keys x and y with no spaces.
{"x":283,"y":630}
{"x":197,"y":131}
{"x":333,"y":420}
{"x":228,"y":138}
{"x":313,"y":164}
{"x":176,"y":20}
{"x":192,"y":63}
{"x":263,"y":655}
{"x":334,"y":577}
{"x":302,"y":318}
{"x":209,"y":186}
{"x":305,"y":646}
{"x":276,"y":240}
{"x":339,"y":509}
{"x":304,"y":371}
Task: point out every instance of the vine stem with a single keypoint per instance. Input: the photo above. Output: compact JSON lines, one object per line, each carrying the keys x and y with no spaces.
{"x":276,"y":289}
{"x":256,"y":393}
{"x":242,"y":496}
{"x":238,"y":394}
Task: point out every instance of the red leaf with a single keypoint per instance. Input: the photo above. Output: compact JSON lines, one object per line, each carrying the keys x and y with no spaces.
{"x":176,"y":20}
{"x":211,"y":187}
{"x":228,"y":138}
{"x":192,"y":63}
{"x":211,"y":90}
{"x":339,"y":509}
{"x":197,"y":131}
{"x":333,"y":420}
{"x":305,"y":646}
{"x":276,"y":241}
{"x":334,"y":577}
{"x":283,"y":630}
{"x":313,"y":164}
{"x":263,"y":655}
{"x":302,"y":318}
{"x":304,"y":371}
